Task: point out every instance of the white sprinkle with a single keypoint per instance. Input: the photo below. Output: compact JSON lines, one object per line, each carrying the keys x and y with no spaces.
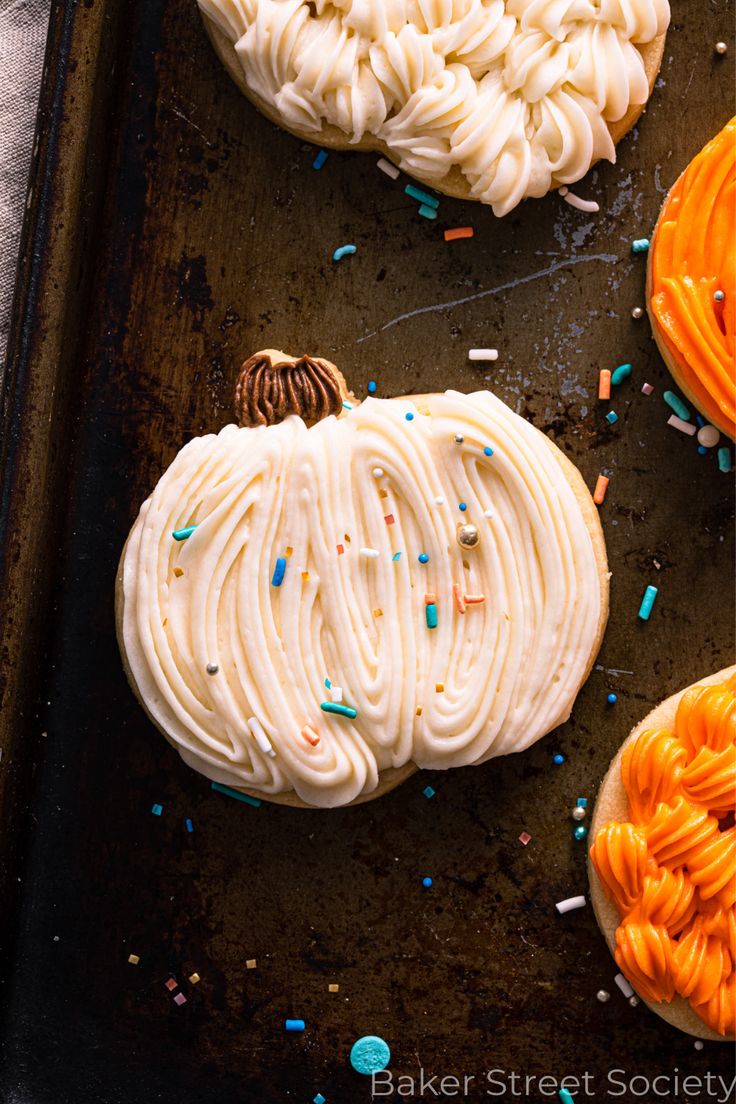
{"x":698,"y":1044}
{"x":624,"y":985}
{"x":369,"y":553}
{"x":588,"y":205}
{"x":684,"y":427}
{"x":260,"y":737}
{"x":646,"y":389}
{"x":387,"y":168}
{"x":439,"y":501}
{"x":336,"y":693}
{"x":483,"y":354}
{"x":488,"y":513}
{"x":708,"y":436}
{"x":570,"y":904}
{"x":377,"y":473}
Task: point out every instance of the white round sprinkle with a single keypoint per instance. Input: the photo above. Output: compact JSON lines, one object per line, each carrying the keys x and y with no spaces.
{"x":439,"y":501}
{"x":483,"y":354}
{"x":369,"y":553}
{"x":603,"y":996}
{"x":377,"y":473}
{"x":488,"y":513}
{"x":699,"y":1044}
{"x":569,"y":904}
{"x":708,"y":436}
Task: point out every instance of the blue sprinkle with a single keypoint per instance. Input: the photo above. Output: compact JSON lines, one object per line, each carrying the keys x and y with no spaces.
{"x":157,"y":809}
{"x":463,"y":506}
{"x":409,"y":416}
{"x":580,"y":833}
{"x":371,"y":387}
{"x":396,"y":556}
{"x":182,"y":534}
{"x":675,"y":403}
{"x":369,"y":1055}
{"x":279,"y":571}
{"x":647,"y":602}
{"x":245,"y":798}
{"x":328,"y":684}
{"x":702,"y":450}
{"x":319,"y":1099}
{"x":558,"y":759}
{"x":347,"y":406}
{"x":699,"y":421}
{"x":423,"y":558}
{"x":611,"y":417}
{"x":583,"y":802}
{"x":427,"y":212}
{"x":337,"y":708}
{"x":488,"y":451}
{"x":320,"y":159}
{"x":428,"y":791}
{"x":724,"y":459}
{"x":612,"y":699}
{"x":188,"y":824}
{"x":294,"y":1025}
{"x":640,"y":245}
{"x":565,"y":1097}
{"x":426,"y":882}
{"x":421,"y":197}
{"x":344,"y":251}
{"x":430,"y":612}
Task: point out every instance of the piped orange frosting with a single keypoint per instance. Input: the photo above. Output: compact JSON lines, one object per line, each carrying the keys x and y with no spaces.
{"x":693,"y":257}
{"x":671,"y":869}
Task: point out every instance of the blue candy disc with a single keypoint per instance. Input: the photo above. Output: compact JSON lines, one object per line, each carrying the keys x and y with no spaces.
{"x":370,"y":1055}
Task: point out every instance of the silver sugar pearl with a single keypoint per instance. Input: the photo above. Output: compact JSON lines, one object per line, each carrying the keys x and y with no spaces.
{"x":699,"y":1044}
{"x":212,"y":668}
{"x":603,"y":995}
{"x":633,"y":1001}
{"x":459,"y":438}
{"x":637,"y":312}
{"x":468,"y":536}
{"x":578,"y":813}
{"x":721,"y":48}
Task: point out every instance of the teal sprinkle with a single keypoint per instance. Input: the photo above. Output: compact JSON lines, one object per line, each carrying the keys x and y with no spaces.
{"x":347,"y":406}
{"x":369,"y":1055}
{"x":182,"y":534}
{"x":427,"y":212}
{"x":724,"y":459}
{"x":580,"y":832}
{"x":421,"y":197}
{"x":245,"y":798}
{"x":428,"y":791}
{"x":157,"y":809}
{"x":319,"y":1099}
{"x":328,"y":684}
{"x":430,"y":611}
{"x":344,"y":251}
{"x":618,"y":375}
{"x":675,"y":403}
{"x":396,"y":556}
{"x":647,"y":602}
{"x":611,"y":417}
{"x":583,"y":802}
{"x":340,"y":710}
{"x":641,"y":245}
{"x":565,"y":1097}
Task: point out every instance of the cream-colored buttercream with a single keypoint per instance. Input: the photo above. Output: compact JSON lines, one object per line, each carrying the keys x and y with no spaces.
{"x":509,"y":667}
{"x":516,"y":93}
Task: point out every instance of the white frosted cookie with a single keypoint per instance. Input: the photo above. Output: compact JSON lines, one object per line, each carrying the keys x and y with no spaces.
{"x":415,"y":582}
{"x":494,"y":100}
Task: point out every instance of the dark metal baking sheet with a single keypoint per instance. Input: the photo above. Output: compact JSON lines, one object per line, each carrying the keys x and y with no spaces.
{"x":171,"y":232}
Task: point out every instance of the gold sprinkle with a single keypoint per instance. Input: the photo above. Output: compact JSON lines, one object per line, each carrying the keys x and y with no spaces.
{"x":194,"y":978}
{"x":378,"y":613}
{"x":419,"y":711}
{"x":289,"y":550}
{"x":439,"y":687}
{"x":466,"y":565}
{"x":305,"y":576}
{"x":347,"y":538}
{"x":333,"y":988}
{"x":382,"y":493}
{"x":134,"y":959}
{"x":178,"y":571}
{"x":250,"y":964}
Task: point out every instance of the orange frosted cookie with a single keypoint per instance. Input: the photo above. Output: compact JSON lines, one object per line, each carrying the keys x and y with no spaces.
{"x":663,"y":860}
{"x":692,"y":280}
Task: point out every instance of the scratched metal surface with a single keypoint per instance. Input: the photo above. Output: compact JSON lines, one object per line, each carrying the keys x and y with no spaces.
{"x":212,"y":238}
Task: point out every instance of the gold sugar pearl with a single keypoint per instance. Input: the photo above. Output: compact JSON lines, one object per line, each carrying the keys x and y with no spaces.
{"x":468,"y":535}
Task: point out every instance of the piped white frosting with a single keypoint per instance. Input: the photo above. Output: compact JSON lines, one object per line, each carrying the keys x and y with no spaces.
{"x":509,"y":668}
{"x":515,"y":93}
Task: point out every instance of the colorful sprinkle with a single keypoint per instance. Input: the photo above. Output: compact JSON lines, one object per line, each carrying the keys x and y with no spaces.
{"x":371,"y":387}
{"x":611,"y":417}
{"x":134,"y":959}
{"x":612,"y":699}
{"x":439,"y":500}
{"x":558,"y":759}
{"x":646,"y":389}
{"x":474,"y":599}
{"x":708,"y":436}
{"x":319,"y":1099}
{"x":684,"y":427}
{"x":421,"y":197}
{"x":335,"y":692}
{"x":378,"y":612}
{"x":423,"y":558}
{"x":171,"y":984}
{"x":462,"y":506}
{"x":333,"y":988}
{"x":428,"y":791}
{"x":588,"y":205}
{"x":427,"y":212}
{"x":647,"y":602}
{"x":580,"y":832}
{"x":310,"y":735}
{"x":189,"y":825}
{"x":623,"y":985}
{"x":180,"y":999}
{"x":340,"y":710}
{"x":194,"y":979}
{"x":340,"y":549}
{"x":258,"y":733}
{"x":488,"y":451}
{"x":569,"y":904}
{"x":389,"y":519}
{"x":483,"y":354}
{"x":459,"y":232}
{"x":157,"y":809}
{"x":387,"y":168}
{"x":618,"y":375}
{"x":320,"y":159}
{"x":640,"y":245}
{"x":229,"y":792}
{"x":565,"y":1096}
{"x":369,"y":1055}
{"x":344,"y":251}
{"x":396,"y":556}
{"x":182,"y":534}
{"x":583,"y":802}
{"x":430,"y":612}
{"x":279,"y":571}
{"x":251,"y":963}
{"x":409,"y":416}
{"x":675,"y":403}
{"x":601,"y":487}
{"x":724,"y":459}
{"x":604,"y":384}
{"x":370,"y":553}
{"x":178,"y":572}
{"x":426,"y":882}
{"x":459,"y":599}
{"x":294,"y":1025}
{"x":439,"y":687}
{"x":525,"y":838}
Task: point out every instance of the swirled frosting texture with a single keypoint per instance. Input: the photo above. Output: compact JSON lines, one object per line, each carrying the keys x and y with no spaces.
{"x":349,"y":505}
{"x":693,"y":257}
{"x":515,"y":93}
{"x":671,"y":870}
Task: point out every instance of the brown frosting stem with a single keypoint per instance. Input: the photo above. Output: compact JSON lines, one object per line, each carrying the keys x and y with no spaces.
{"x":266,"y":393}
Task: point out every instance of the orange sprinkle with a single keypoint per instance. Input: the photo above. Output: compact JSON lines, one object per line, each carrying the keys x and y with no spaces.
{"x":289,"y":550}
{"x":459,"y":232}
{"x":430,"y":599}
{"x":604,"y":384}
{"x":600,"y":489}
{"x":310,"y":735}
{"x":419,"y":711}
{"x":347,"y":538}
{"x":378,"y":612}
{"x":389,"y":519}
{"x":439,"y":687}
{"x":340,"y":549}
{"x":474,"y":599}
{"x":305,"y":576}
{"x":459,"y":600}
{"x":178,"y":571}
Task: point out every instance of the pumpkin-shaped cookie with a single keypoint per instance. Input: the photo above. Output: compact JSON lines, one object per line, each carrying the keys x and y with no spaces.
{"x":316,"y":602}
{"x":663,"y":859}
